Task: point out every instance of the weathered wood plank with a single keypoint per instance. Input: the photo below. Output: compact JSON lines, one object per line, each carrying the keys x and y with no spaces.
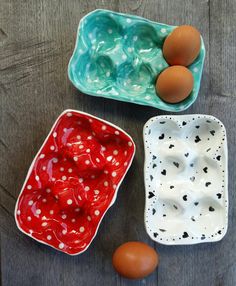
{"x":36,"y":90}
{"x":36,"y":42}
{"x":223,"y":48}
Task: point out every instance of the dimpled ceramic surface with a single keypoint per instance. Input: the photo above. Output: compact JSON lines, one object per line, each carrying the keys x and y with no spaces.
{"x":185,"y":179}
{"x":119,"y":56}
{"x":73,"y":180}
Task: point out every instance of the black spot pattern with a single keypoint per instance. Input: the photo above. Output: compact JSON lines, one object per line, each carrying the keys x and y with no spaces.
{"x":151,"y":195}
{"x":192,"y":179}
{"x":185,"y":235}
{"x":185,"y":197}
{"x":196,"y":173}
{"x":176,"y":164}
{"x":219,"y":196}
{"x":205,"y":169}
{"x":197,"y":139}
{"x":163,"y":172}
{"x":212,"y":132}
{"x":203,"y":237}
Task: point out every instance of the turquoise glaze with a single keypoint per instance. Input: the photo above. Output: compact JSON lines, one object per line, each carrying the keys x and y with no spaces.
{"x":119,"y":56}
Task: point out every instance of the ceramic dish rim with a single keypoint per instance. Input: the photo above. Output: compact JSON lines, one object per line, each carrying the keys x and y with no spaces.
{"x":34,"y":160}
{"x":83,"y":90}
{"x":225,"y":148}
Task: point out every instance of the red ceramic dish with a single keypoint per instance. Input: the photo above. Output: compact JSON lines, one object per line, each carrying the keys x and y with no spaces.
{"x":73,"y":181}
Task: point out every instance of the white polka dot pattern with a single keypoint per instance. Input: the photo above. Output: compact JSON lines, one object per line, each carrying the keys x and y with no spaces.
{"x":66,"y":189}
{"x":126,"y":41}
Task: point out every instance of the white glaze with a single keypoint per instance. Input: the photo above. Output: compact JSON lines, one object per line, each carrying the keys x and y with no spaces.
{"x":185,"y":181}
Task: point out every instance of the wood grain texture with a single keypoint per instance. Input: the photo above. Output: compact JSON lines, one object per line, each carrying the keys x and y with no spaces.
{"x":36,"y":41}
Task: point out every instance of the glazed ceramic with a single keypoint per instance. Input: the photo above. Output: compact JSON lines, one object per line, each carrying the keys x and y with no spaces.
{"x":185,"y":179}
{"x":73,"y":180}
{"x":119,"y":56}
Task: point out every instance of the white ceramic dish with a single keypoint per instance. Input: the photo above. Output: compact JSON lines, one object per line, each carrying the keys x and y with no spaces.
{"x":185,"y":179}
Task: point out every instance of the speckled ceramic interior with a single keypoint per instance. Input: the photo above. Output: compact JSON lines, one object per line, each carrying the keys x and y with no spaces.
{"x":185,"y":179}
{"x":119,"y":56}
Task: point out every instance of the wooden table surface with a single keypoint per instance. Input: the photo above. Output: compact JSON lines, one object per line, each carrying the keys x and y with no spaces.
{"x":37,"y":38}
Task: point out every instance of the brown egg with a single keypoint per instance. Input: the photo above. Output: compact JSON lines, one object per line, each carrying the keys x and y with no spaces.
{"x":182,"y":46}
{"x":174,"y":84}
{"x":135,"y":260}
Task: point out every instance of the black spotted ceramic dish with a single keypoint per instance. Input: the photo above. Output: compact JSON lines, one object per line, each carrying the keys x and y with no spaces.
{"x":185,"y":179}
{"x":119,"y":56}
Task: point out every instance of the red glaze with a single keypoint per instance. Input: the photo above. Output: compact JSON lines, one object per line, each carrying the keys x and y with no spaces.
{"x":73,"y":180}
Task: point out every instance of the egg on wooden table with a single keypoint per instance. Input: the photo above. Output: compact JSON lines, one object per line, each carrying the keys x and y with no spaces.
{"x":174,"y":84}
{"x":135,"y":260}
{"x":182,"y":46}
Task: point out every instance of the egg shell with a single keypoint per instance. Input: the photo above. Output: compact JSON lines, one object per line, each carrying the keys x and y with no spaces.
{"x":135,"y":260}
{"x":182,"y":46}
{"x":174,"y":84}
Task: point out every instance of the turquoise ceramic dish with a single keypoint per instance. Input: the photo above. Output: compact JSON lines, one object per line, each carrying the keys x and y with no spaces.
{"x":119,"y":56}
